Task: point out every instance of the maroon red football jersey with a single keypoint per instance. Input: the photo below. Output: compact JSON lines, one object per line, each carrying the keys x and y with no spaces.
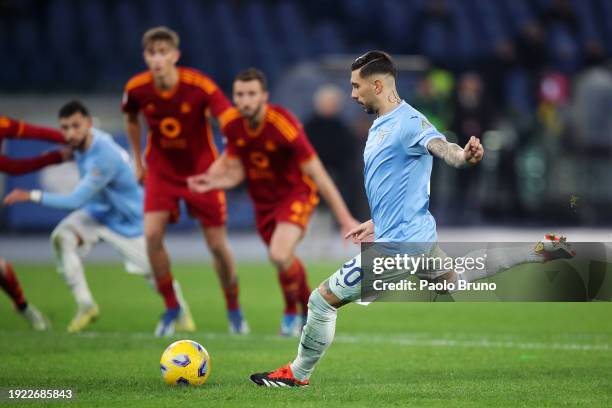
{"x":180,"y":139}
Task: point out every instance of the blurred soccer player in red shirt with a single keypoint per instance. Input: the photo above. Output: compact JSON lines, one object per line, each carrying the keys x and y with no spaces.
{"x":10,"y":128}
{"x":177,"y":103}
{"x":267,"y":146}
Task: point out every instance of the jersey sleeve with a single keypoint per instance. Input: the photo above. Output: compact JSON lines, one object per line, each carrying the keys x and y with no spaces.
{"x":21,"y":166}
{"x":129,"y":101}
{"x":11,"y":128}
{"x":92,"y":182}
{"x":218,"y":102}
{"x":229,"y":122}
{"x":417,"y":132}
{"x":296,"y":136}
{"x":302,"y":147}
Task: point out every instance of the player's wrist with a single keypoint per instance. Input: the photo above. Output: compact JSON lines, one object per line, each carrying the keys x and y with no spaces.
{"x":36,"y":196}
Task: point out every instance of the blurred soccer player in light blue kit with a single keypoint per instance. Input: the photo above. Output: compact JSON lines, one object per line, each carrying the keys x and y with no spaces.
{"x":107,"y":206}
{"x":398,"y":159}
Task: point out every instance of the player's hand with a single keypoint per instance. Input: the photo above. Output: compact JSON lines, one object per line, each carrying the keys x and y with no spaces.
{"x":16,"y":196}
{"x":348,"y":225}
{"x":67,"y":153}
{"x":201,"y":183}
{"x":362,"y":232}
{"x":473,"y":151}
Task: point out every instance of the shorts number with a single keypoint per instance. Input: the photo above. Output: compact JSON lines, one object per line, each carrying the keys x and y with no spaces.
{"x":353,"y":276}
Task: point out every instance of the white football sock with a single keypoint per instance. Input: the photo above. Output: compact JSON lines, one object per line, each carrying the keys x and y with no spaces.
{"x":65,"y":244}
{"x":179,"y":295}
{"x":317,"y":335}
{"x":498,"y":260}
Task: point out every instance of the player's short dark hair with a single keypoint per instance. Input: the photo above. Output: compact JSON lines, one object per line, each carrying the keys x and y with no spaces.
{"x":73,"y":107}
{"x":374,"y":62}
{"x":253,"y":74}
{"x":161,"y":33}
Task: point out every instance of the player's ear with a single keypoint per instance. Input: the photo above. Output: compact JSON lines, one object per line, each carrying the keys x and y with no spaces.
{"x":177,"y":56}
{"x":266,"y":95}
{"x":378,"y":86}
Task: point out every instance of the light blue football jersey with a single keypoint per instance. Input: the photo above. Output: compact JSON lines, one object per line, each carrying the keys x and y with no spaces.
{"x":397,"y":172}
{"x":108,"y":189}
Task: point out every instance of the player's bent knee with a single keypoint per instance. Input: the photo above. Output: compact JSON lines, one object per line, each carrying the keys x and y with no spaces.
{"x":218,"y":248}
{"x":280,"y":257}
{"x":328,"y":295}
{"x":154,"y":238}
{"x":61,"y":237}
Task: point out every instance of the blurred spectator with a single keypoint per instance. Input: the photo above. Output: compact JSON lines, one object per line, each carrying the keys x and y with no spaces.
{"x":531,"y":45}
{"x":472,"y":116}
{"x":553,"y":96}
{"x":334,"y":142}
{"x":591,"y":112}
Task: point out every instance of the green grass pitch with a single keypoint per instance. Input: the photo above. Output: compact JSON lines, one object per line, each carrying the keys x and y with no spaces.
{"x":388,"y":354}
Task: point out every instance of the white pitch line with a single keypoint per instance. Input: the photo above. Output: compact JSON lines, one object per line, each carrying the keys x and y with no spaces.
{"x":416,"y":339}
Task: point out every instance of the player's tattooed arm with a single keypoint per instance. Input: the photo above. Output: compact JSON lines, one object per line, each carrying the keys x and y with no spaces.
{"x":454,"y":155}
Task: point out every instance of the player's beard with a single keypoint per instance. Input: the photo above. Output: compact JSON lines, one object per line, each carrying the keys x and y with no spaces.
{"x":369,"y":109}
{"x":78,"y":146}
{"x":253,"y":116}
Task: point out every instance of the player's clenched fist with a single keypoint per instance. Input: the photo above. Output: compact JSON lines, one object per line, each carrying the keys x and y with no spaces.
{"x":473,"y":151}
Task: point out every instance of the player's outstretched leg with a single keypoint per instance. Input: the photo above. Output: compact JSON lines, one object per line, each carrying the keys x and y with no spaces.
{"x":500,"y":259}
{"x":342,"y":287}
{"x":65,"y":246}
{"x":223,"y":262}
{"x":10,"y":284}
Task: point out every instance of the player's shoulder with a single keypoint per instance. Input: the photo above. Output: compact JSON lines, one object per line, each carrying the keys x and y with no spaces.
{"x":277,"y":110}
{"x":104,"y":145}
{"x":412,"y":120}
{"x":197,"y":79}
{"x":284,"y":121}
{"x":230,"y":118}
{"x":5,"y":121}
{"x":139,"y":80}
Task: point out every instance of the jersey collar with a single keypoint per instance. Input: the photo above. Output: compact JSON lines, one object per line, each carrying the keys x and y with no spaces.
{"x":256,"y":132}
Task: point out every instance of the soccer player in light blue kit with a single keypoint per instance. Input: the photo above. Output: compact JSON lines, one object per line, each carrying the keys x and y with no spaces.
{"x":107,"y":206}
{"x":398,"y":159}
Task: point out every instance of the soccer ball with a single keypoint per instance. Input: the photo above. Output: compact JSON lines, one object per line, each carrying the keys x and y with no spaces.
{"x":185,"y":362}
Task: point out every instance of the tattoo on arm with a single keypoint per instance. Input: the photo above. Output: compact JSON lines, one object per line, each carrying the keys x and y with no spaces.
{"x":451,"y":153}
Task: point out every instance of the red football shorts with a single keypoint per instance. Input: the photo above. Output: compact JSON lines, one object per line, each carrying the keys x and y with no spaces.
{"x":295,"y":210}
{"x":164,"y":195}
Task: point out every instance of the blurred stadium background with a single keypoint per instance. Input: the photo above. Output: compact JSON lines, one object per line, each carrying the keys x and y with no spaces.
{"x":532,"y":78}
